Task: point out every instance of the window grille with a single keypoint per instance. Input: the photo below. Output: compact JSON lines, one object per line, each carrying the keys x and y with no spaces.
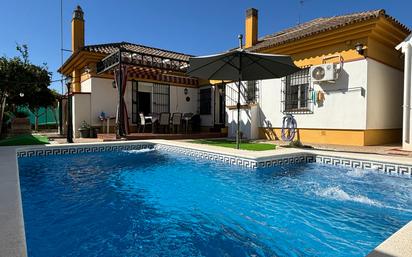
{"x":252,"y":92}
{"x":161,"y":98}
{"x":297,"y":93}
{"x":249,"y":93}
{"x":231,"y":94}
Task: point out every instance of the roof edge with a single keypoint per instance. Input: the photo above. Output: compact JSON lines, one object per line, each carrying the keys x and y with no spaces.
{"x":374,"y":14}
{"x":140,"y":45}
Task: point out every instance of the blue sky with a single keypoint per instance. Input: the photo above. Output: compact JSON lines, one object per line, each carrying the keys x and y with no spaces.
{"x":190,"y":26}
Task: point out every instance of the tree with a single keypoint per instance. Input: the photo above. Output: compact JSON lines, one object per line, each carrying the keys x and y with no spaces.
{"x":21,"y":81}
{"x":44,"y":98}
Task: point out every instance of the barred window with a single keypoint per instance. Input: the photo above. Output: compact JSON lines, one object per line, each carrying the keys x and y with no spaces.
{"x":161,"y":98}
{"x":251,"y":91}
{"x":297,"y":92}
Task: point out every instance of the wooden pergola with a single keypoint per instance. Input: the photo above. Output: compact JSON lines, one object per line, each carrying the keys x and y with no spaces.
{"x":124,"y":64}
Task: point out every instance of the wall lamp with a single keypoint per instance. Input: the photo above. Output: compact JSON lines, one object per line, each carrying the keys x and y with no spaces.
{"x":68,"y":80}
{"x":359,"y":47}
{"x":87,"y":69}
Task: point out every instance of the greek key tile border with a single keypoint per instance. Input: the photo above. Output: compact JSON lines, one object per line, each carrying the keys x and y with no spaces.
{"x":45,"y":151}
{"x":285,"y":160}
{"x":384,"y":167}
{"x":232,"y":160}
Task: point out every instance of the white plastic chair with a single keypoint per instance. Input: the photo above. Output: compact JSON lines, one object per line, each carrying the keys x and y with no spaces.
{"x":164,"y":121}
{"x":176,"y":121}
{"x":143,"y":122}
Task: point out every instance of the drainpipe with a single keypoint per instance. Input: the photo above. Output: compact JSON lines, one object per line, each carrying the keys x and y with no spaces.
{"x":407,"y":96}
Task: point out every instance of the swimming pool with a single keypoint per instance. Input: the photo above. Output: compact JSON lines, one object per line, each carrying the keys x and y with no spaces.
{"x":155,"y":203}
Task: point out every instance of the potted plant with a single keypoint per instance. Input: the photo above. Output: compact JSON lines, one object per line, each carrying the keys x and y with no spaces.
{"x":84,"y":130}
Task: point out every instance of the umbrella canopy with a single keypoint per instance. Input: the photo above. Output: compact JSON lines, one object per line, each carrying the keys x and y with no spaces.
{"x":241,"y":64}
{"x":238,"y":65}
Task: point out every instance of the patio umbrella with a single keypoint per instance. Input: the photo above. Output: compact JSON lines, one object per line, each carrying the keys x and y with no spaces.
{"x":241,"y":65}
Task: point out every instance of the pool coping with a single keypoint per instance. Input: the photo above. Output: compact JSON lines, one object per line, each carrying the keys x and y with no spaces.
{"x":12,"y":236}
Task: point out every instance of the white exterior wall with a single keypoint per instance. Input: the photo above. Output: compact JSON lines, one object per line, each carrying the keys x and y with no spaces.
{"x":248,"y":122}
{"x":178,"y":101}
{"x":249,"y":117}
{"x":104,"y":98}
{"x":86,"y":86}
{"x":385,"y":94}
{"x":367,"y":95}
{"x":81,"y":111}
{"x":344,"y":106}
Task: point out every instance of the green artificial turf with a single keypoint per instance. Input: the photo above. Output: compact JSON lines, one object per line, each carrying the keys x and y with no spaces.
{"x":24,"y":140}
{"x":245,"y":145}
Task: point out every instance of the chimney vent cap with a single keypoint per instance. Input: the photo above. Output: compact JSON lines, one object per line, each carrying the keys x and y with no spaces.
{"x":78,"y":13}
{"x":251,"y":12}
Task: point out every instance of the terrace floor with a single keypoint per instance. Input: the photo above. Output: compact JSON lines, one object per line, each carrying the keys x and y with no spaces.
{"x":143,"y":136}
{"x":55,"y":138}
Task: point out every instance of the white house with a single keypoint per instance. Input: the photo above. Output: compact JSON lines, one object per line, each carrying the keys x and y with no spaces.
{"x":357,"y":102}
{"x":156,"y":83}
{"x":360,"y":104}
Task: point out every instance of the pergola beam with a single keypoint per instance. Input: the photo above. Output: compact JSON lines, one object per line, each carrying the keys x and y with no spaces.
{"x":124,"y":62}
{"x":132,"y":58}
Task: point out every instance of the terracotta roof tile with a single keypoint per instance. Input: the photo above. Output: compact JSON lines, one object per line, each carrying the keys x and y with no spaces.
{"x":320,"y":25}
{"x":112,"y":47}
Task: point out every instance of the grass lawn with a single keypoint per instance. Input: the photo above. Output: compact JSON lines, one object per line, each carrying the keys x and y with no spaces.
{"x":244,"y":145}
{"x":24,"y":140}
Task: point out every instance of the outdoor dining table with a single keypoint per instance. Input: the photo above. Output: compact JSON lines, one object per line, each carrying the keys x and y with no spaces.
{"x":187,"y":119}
{"x":107,"y":121}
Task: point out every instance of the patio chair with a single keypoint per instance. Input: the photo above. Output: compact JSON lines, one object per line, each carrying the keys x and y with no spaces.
{"x":155,"y":121}
{"x":176,"y":121}
{"x":164,"y":121}
{"x":143,"y":122}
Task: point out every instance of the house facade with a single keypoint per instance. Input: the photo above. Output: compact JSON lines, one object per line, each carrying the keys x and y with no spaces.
{"x":360,"y":105}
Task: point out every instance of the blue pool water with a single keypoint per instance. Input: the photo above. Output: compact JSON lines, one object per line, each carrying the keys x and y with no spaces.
{"x":151,"y":203}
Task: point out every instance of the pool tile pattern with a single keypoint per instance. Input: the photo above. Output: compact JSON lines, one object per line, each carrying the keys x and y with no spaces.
{"x":381,"y":166}
{"x":297,"y":158}
{"x":248,"y":163}
{"x":385,"y":167}
{"x":58,"y":150}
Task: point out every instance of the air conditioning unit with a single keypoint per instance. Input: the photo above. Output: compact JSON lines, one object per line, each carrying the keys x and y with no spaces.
{"x":325,"y":72}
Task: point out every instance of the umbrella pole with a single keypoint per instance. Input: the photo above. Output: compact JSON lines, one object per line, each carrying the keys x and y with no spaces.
{"x":238,"y":117}
{"x":238,"y":93}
